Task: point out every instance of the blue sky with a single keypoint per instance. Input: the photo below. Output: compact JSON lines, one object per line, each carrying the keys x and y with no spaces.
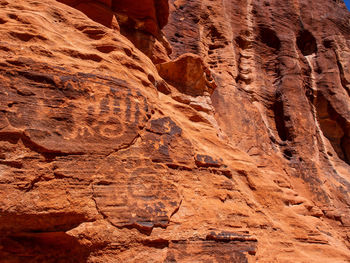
{"x":347,"y":2}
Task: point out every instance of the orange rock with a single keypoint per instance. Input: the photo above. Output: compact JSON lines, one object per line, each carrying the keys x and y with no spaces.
{"x":189,"y":74}
{"x":149,"y":15}
{"x":140,"y":22}
{"x":110,"y":154}
{"x":98,"y":10}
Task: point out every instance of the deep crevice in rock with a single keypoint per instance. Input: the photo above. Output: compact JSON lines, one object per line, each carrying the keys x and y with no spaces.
{"x":306,"y":42}
{"x":334,"y":127}
{"x":243,"y":42}
{"x":280,"y":118}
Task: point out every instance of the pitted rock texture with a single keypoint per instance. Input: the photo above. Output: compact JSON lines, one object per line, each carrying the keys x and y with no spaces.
{"x":234,"y":149}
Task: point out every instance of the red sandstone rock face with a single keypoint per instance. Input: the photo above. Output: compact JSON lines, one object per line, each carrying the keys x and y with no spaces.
{"x":151,"y":15}
{"x":98,"y":10}
{"x":139,"y":21}
{"x":237,"y":152}
{"x":188,"y":74}
{"x":148,"y":15}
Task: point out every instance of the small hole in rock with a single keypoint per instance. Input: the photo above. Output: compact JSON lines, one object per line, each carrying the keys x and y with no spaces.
{"x":151,"y":79}
{"x":12,"y":16}
{"x":280,"y":119}
{"x":327,"y":43}
{"x":127,"y":52}
{"x":288,"y":154}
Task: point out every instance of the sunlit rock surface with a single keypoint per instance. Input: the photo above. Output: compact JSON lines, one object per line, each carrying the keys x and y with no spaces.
{"x":235,"y":147}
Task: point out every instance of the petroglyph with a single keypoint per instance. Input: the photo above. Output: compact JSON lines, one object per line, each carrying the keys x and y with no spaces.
{"x":74,"y":112}
{"x":165,"y":143}
{"x":133,"y":195}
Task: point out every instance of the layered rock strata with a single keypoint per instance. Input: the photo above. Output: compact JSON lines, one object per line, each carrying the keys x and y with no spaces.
{"x":234,"y":149}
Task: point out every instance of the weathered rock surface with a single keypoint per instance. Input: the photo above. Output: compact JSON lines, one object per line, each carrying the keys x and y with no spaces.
{"x":236,"y":149}
{"x":188,"y":74}
{"x":140,"y":21}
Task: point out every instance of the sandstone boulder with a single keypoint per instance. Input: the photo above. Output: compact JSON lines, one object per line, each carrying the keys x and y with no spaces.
{"x":188,"y":74}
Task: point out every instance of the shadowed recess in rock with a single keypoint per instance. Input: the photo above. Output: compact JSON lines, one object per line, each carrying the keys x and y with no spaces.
{"x":42,"y":247}
{"x":235,"y":149}
{"x":334,"y":127}
{"x":306,"y":43}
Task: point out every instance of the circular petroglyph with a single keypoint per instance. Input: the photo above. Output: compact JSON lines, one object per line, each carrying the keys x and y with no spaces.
{"x":141,"y":197}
